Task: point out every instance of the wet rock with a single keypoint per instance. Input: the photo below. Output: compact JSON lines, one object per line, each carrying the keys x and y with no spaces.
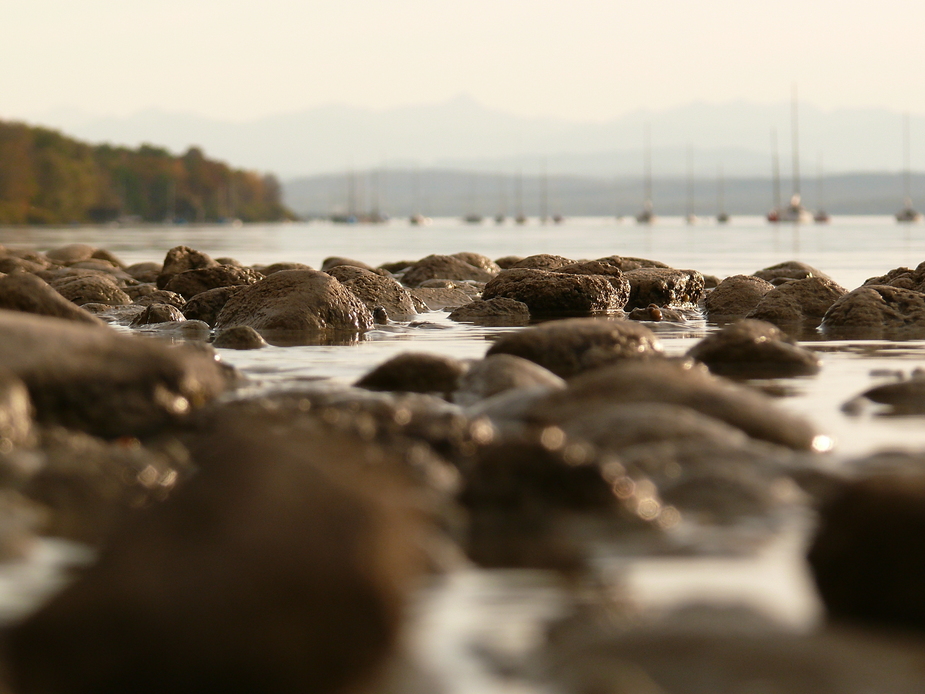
{"x":158,"y":296}
{"x":145,"y":272}
{"x":677,"y":382}
{"x":797,"y":303}
{"x":479,"y":260}
{"x":876,"y":312}
{"x":499,"y":373}
{"x":344,"y":273}
{"x":569,"y":347}
{"x":103,"y":254}
{"x":29,"y":294}
{"x":105,"y":267}
{"x":734,"y":297}
{"x":322,"y":544}
{"x":207,"y":305}
{"x":555,"y":293}
{"x":192,"y":282}
{"x":470,"y":289}
{"x":157,"y":313}
{"x":904,"y":397}
{"x":543,"y":261}
{"x":415,"y":372}
{"x":435,"y":299}
{"x":181,"y":331}
{"x":754,"y":349}
{"x":71,"y":253}
{"x":663,"y":287}
{"x":296,"y":300}
{"x":656,"y":314}
{"x":443,"y":267}
{"x":15,"y":412}
{"x":597,"y":267}
{"x":901,"y":277}
{"x":711,"y":281}
{"x":499,"y":311}
{"x":867,"y":560}
{"x":376,"y":291}
{"x":11,"y":264}
{"x":120,"y":315}
{"x":396,"y":267}
{"x":279,"y":267}
{"x":180,"y":259}
{"x":508,"y":261}
{"x":336,"y":261}
{"x":95,"y":289}
{"x":627,"y":263}
{"x":102,"y":382}
{"x":241,"y":337}
{"x":788,"y":270}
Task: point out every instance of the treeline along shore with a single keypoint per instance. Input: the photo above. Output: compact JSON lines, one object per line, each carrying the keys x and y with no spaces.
{"x":49,"y":178}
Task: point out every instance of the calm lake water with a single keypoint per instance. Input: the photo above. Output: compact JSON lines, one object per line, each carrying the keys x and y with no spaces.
{"x":503,"y":611}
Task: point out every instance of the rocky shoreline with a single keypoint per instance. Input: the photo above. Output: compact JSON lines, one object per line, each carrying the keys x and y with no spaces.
{"x":272,"y":543}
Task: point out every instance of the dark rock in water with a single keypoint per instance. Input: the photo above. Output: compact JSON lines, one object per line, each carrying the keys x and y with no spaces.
{"x":556,"y":294}
{"x":415,"y":372}
{"x":902,"y":277}
{"x":266,"y":270}
{"x":322,"y":547}
{"x":499,"y":311}
{"x":788,"y":270}
{"x":381,"y":316}
{"x":96,"y":289}
{"x":470,"y":289}
{"x":663,"y":287}
{"x":543,"y":261}
{"x":508,"y":261}
{"x":754,"y":349}
{"x":344,"y":273}
{"x":104,"y":383}
{"x":656,"y":314}
{"x":192,"y":282}
{"x":435,"y":299}
{"x":337,"y":261}
{"x":296,"y":300}
{"x":798,"y":303}
{"x":876,"y":312}
{"x":501,"y":372}
{"x":868,"y":559}
{"x":568,"y":347}
{"x":596,"y":267}
{"x":627,"y":263}
{"x":180,"y":259}
{"x":905,"y":397}
{"x":28,"y":294}
{"x":678,"y":382}
{"x":734,"y":298}
{"x":479,"y":260}
{"x":207,"y":305}
{"x":147,"y":294}
{"x":444,"y":267}
{"x":711,"y":281}
{"x":15,"y":412}
{"x":377,"y":291}
{"x":241,"y":337}
{"x":145,"y":272}
{"x":158,"y":313}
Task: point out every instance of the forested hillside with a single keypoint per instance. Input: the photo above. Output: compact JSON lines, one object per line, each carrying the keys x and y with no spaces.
{"x":48,"y":178}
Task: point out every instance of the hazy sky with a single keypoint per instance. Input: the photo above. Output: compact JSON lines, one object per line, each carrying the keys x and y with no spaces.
{"x":577,"y":59}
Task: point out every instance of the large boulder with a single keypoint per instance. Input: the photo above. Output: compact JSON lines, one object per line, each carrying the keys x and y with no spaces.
{"x":180,"y":259}
{"x":102,"y":382}
{"x":876,"y":312}
{"x":556,"y":294}
{"x":798,"y":303}
{"x":663,"y":287}
{"x":377,"y":291}
{"x":189,"y":283}
{"x":91,"y":289}
{"x":282,"y":566}
{"x":443,"y":267}
{"x":734,"y":297}
{"x":27,"y":293}
{"x":296,"y":300}
{"x":569,"y":347}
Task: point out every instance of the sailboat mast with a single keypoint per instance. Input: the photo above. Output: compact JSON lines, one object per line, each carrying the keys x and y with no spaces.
{"x":775,"y":168}
{"x":720,"y":192}
{"x":544,"y":193}
{"x":794,"y":129}
{"x":690,"y":182}
{"x":907,"y":162}
{"x":647,"y":168}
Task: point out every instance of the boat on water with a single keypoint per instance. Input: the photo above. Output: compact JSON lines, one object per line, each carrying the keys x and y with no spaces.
{"x":908,"y":214}
{"x":419,"y":220}
{"x":722,"y":217}
{"x":473,"y":219}
{"x":647,"y":216}
{"x":820,"y":216}
{"x":691,"y":217}
{"x":794,"y":212}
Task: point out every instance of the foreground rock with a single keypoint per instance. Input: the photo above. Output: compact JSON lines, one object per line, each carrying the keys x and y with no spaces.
{"x":568,"y":347}
{"x":104,"y":383}
{"x":556,"y":293}
{"x":734,"y":298}
{"x":15,"y":412}
{"x":499,"y":373}
{"x":754,"y":349}
{"x":28,"y":294}
{"x":323,"y":550}
{"x":296,"y":300}
{"x":876,"y":312}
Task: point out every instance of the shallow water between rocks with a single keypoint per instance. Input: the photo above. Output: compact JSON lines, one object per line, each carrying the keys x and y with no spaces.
{"x":472,"y":628}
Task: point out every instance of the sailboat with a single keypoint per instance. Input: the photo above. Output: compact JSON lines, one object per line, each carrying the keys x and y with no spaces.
{"x":690,"y":217}
{"x":821,"y":216}
{"x":418,"y":219}
{"x":472,"y":217}
{"x":794,"y":212}
{"x":907,"y":214}
{"x":502,"y":201}
{"x":521,"y":218}
{"x":774,"y":214}
{"x":544,"y":195}
{"x":647,"y":216}
{"x":722,"y":217}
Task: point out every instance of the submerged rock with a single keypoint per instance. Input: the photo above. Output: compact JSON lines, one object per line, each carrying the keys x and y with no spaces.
{"x":663,"y":287}
{"x":571,"y":346}
{"x":415,"y":372}
{"x":754,"y":349}
{"x":734,"y":297}
{"x":556,"y":293}
{"x":876,"y":312}
{"x":499,"y":373}
{"x":376,"y":291}
{"x":439,"y":299}
{"x":499,"y":311}
{"x":241,"y":337}
{"x":158,"y":313}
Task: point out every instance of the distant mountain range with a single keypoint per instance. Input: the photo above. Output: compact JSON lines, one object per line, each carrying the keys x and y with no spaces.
{"x":462,"y":134}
